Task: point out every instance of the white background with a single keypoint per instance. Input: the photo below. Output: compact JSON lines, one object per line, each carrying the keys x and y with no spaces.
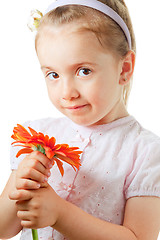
{"x":23,"y":94}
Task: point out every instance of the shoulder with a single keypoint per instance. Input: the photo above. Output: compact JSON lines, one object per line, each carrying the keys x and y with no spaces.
{"x":143,"y":178}
{"x":147,"y":135}
{"x":145,"y":140}
{"x":139,"y":137}
{"x":145,"y":147}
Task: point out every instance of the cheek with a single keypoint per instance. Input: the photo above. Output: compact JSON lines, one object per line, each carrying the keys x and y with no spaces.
{"x":96,"y":94}
{"x":101,"y":96}
{"x":53,"y":94}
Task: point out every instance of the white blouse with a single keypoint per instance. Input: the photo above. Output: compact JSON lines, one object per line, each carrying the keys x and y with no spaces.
{"x":120,"y":160}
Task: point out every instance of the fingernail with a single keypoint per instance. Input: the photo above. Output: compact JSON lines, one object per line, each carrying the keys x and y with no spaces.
{"x":38,"y":185}
{"x":50,"y":165}
{"x":48,"y":174}
{"x":45,"y":179}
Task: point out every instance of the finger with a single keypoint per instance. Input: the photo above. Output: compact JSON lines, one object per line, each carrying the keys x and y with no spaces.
{"x":28,"y":224}
{"x":20,"y":195}
{"x":27,"y":184}
{"x":23,"y":205}
{"x":32,"y":162}
{"x":24,"y":215}
{"x":46,"y":162}
{"x":36,"y":164}
{"x":27,"y":220}
{"x":32,"y":174}
{"x":44,"y":185}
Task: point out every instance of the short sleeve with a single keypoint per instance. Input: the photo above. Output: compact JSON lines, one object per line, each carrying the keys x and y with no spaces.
{"x":144,"y":179}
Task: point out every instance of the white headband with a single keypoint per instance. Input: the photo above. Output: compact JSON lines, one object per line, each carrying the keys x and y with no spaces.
{"x":98,"y":6}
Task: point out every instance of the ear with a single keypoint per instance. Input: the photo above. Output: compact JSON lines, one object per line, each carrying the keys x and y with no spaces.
{"x":128,"y":64}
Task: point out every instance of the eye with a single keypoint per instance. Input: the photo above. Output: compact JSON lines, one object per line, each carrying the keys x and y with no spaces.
{"x":52,"y":75}
{"x":84,"y":72}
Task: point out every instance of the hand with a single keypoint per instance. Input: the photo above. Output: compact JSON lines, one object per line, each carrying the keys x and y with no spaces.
{"x":37,"y":208}
{"x":33,"y":171}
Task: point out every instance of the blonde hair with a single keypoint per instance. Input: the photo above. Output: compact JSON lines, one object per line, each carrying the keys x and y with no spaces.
{"x":108,"y":32}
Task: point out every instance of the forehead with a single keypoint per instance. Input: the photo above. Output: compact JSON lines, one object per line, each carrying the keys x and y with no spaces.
{"x":68,"y":40}
{"x":67,"y":33}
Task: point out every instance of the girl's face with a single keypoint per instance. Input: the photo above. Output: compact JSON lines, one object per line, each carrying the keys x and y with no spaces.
{"x":81,"y":76}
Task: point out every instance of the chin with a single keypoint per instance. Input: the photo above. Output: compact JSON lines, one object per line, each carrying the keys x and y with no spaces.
{"x":83,"y":122}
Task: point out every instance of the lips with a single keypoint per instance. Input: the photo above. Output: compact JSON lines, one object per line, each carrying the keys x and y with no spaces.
{"x":76,"y":107}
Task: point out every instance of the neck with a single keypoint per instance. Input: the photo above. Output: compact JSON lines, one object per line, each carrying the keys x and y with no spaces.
{"x":118,"y":111}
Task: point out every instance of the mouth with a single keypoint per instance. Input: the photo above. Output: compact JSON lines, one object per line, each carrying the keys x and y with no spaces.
{"x":76,"y":107}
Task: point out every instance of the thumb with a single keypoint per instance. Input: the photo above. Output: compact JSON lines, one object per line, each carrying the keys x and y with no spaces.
{"x":44,"y":185}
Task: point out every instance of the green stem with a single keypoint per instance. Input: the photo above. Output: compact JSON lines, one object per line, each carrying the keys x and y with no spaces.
{"x":42,"y":150}
{"x":34,"y":234}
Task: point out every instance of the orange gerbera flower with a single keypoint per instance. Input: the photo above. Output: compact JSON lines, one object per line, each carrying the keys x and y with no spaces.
{"x":37,"y":141}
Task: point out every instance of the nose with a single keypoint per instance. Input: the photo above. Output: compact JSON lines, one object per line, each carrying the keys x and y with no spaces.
{"x":69,"y":90}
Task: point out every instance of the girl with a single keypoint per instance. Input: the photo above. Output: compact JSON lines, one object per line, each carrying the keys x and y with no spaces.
{"x":86,"y":49}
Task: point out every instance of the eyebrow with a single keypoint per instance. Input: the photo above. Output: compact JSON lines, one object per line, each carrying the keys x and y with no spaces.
{"x":43,"y":67}
{"x":71,"y":66}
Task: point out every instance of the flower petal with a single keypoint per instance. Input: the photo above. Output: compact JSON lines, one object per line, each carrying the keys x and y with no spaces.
{"x":60,"y":166}
{"x":33,"y":132}
{"x":52,"y":142}
{"x":60,"y":153}
{"x":38,"y":141}
{"x":24,"y":151}
{"x":68,"y":160}
{"x":49,"y":152}
{"x":34,"y":19}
